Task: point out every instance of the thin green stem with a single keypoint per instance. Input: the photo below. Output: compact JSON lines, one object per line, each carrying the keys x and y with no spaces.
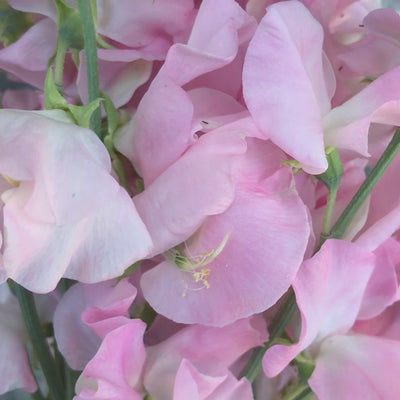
{"x":330,"y":204}
{"x":365,"y":189}
{"x":42,"y":351}
{"x":89,"y":37}
{"x":276,"y":328}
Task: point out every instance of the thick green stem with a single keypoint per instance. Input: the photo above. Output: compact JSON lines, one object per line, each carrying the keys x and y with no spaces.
{"x":89,"y":37}
{"x":365,"y":189}
{"x":42,"y":351}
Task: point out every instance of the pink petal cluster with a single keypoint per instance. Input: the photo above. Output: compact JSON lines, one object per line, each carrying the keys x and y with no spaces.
{"x":226,"y":113}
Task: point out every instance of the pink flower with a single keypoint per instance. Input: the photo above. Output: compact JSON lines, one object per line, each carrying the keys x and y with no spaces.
{"x":64,"y":214}
{"x":233,"y":265}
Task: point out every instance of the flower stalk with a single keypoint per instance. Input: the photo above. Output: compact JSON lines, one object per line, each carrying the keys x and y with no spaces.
{"x":42,"y":351}
{"x":89,"y":37}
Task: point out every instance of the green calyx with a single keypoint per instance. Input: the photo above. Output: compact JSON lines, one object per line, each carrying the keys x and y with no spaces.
{"x":53,"y":100}
{"x":331,"y":177}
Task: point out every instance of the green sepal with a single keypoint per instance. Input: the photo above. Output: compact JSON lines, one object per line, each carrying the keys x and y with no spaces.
{"x":305,"y":367}
{"x":128,"y":272}
{"x":53,"y":100}
{"x":146,"y":313}
{"x":52,"y":97}
{"x":139,"y":185}
{"x":83,"y":114}
{"x":13,"y":23}
{"x":113,"y":119}
{"x":331,"y":177}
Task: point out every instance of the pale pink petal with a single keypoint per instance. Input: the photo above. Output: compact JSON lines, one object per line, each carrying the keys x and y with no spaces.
{"x":160,"y":131}
{"x":211,"y":351}
{"x":137,"y":23}
{"x":255,"y":268}
{"x":117,"y":366}
{"x":213,"y":108}
{"x":27,"y":58}
{"x":191,"y":384}
{"x":118,"y":79}
{"x":382,"y":287}
{"x":104,"y":301}
{"x":199,"y":184}
{"x":385,"y":325}
{"x":384,"y":214}
{"x":113,"y":239}
{"x":24,"y":99}
{"x":284,"y":84}
{"x":55,"y":160}
{"x":44,"y":7}
{"x":67,"y":212}
{"x":357,"y":367}
{"x":347,"y":125}
{"x":328,"y":304}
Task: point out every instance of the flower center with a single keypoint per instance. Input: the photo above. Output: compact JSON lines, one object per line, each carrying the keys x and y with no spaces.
{"x":194,"y":265}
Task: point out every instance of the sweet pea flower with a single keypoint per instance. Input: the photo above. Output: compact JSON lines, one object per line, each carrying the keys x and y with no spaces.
{"x":161,"y":129}
{"x":63,"y":214}
{"x":173,"y":368}
{"x":301,"y":86}
{"x":231,"y":265}
{"x":115,"y":371}
{"x":347,"y":365}
{"x":196,"y":360}
{"x":191,"y":384}
{"x":85,"y":314}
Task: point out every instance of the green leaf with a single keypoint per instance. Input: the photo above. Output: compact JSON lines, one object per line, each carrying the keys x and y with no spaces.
{"x":83,"y":114}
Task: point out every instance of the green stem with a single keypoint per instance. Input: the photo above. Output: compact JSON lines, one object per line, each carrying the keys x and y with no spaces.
{"x":62,"y":47}
{"x":89,"y":37}
{"x":42,"y":351}
{"x":301,"y":392}
{"x":326,"y":223}
{"x":365,"y":189}
{"x":276,"y":328}
{"x":70,"y":376}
